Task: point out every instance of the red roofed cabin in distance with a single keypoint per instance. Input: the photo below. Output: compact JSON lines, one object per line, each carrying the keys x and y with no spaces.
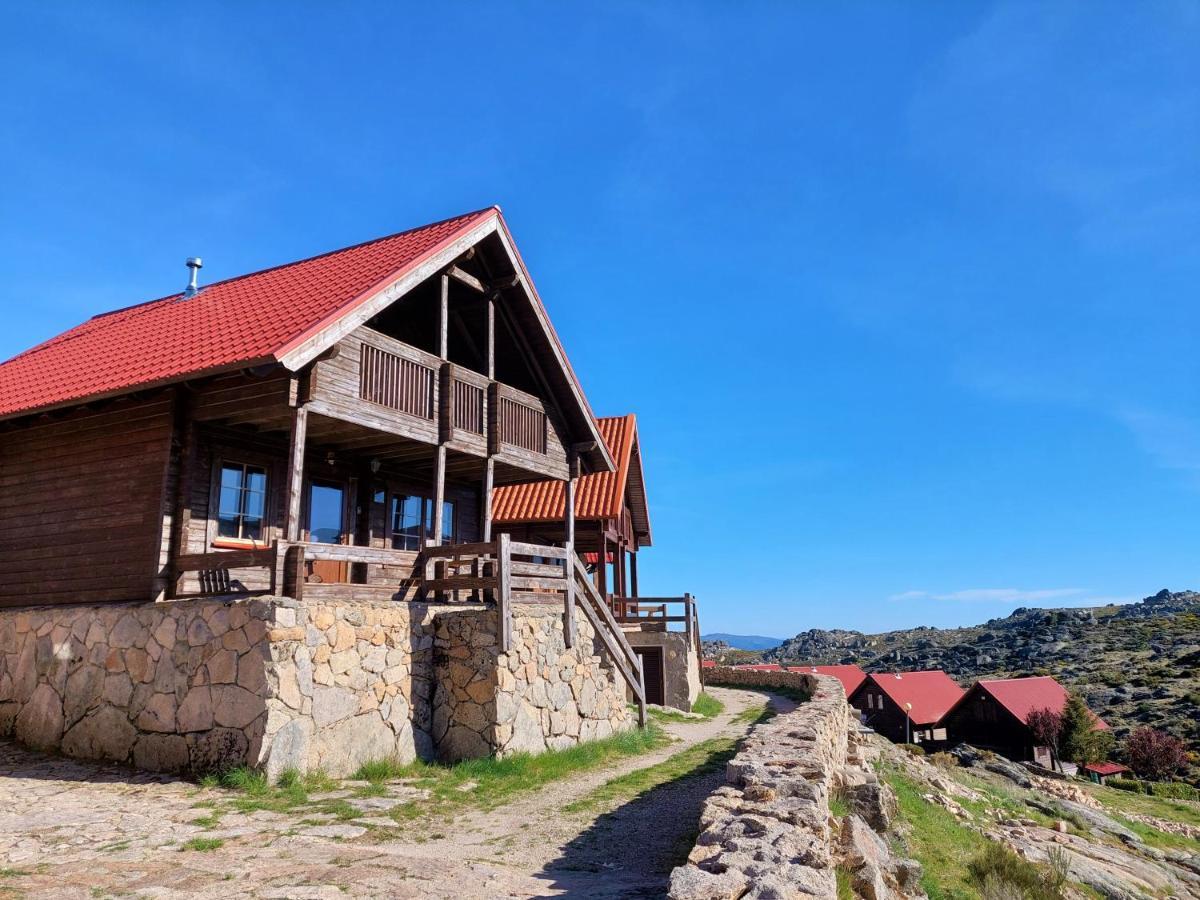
{"x":323,"y":420}
{"x":850,"y":676}
{"x":907,"y":707}
{"x":994,"y":715}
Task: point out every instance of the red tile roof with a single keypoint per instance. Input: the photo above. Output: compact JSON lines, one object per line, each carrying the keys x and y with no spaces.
{"x":239,"y":322}
{"x":1106,"y":768}
{"x":597,"y":496}
{"x":1021,"y":696}
{"x":850,"y":676}
{"x":932,"y":693}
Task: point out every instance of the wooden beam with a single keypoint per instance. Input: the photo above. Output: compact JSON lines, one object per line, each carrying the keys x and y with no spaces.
{"x":489,"y":479}
{"x":444,"y":320}
{"x":633,"y":585}
{"x":439,"y":494}
{"x":491,"y":338}
{"x":601,"y":564}
{"x":466,"y":278}
{"x":569,"y":515}
{"x":185,"y":434}
{"x":296,"y":441}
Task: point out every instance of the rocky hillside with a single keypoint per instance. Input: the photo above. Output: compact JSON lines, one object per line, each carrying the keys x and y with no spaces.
{"x":1135,"y":664}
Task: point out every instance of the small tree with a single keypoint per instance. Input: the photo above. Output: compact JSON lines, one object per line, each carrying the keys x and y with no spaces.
{"x":1155,"y":754}
{"x":1081,"y":741}
{"x":1046,"y":726}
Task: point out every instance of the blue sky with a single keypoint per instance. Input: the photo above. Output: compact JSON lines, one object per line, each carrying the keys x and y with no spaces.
{"x":904,"y":295}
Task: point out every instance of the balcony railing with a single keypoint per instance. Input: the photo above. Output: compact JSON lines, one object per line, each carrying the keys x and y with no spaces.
{"x":398,"y":383}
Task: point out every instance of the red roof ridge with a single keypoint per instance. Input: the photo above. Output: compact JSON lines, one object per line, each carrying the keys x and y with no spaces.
{"x":147,"y":305}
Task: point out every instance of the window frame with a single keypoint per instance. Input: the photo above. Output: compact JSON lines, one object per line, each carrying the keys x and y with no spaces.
{"x":212,"y":532}
{"x":425,"y":525}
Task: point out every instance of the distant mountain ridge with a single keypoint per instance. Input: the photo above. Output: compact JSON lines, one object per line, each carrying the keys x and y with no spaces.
{"x":743,"y":641}
{"x":1135,"y":664}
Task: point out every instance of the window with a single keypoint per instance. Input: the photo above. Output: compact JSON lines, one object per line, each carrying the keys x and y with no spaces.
{"x":412,"y":521}
{"x":870,"y":701}
{"x":407,"y":526}
{"x":241,"y":506}
{"x":326,"y":513}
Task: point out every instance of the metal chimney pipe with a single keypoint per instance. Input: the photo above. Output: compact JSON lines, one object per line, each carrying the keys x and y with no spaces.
{"x":194,"y":263}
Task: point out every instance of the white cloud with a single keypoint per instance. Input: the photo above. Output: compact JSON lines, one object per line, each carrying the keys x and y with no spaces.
{"x":1017,"y":597}
{"x":994,"y":595}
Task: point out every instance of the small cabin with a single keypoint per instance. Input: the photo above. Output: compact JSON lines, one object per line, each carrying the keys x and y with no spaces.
{"x":907,"y":707}
{"x":994,"y":715}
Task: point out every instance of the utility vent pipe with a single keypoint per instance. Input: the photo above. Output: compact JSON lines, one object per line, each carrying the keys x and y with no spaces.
{"x":195,"y":264}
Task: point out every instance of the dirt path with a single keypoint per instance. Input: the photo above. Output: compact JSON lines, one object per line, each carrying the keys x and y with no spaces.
{"x":70,"y":829}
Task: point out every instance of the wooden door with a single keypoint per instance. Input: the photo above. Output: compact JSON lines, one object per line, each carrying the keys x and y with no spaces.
{"x":327,"y":525}
{"x":652,"y":668}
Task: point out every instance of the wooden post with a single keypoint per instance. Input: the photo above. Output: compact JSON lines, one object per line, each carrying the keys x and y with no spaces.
{"x":491,"y":337}
{"x":489,"y":477}
{"x":504,"y":591}
{"x":569,"y":516}
{"x":439,"y":466}
{"x":633,"y":585}
{"x":185,"y":433}
{"x":296,"y":471}
{"x":602,"y":563}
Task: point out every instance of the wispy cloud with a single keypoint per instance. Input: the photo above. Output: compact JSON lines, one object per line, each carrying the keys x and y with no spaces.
{"x":994,"y":595}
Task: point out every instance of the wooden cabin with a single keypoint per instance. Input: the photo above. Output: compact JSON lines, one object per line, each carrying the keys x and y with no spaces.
{"x":907,"y":707}
{"x":612,"y":524}
{"x":311,"y":427}
{"x":994,"y":715}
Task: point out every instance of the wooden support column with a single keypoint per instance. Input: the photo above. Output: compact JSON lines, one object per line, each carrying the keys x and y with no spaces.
{"x":296,"y":471}
{"x":633,"y":585}
{"x":569,"y":517}
{"x":183,"y":441}
{"x":439,"y":465}
{"x":602,"y":562}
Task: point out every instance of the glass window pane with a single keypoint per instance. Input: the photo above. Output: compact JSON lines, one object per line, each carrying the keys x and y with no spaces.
{"x":227,"y":526}
{"x":325,"y":513}
{"x":231,"y":477}
{"x":252,"y":529}
{"x":448,"y":522}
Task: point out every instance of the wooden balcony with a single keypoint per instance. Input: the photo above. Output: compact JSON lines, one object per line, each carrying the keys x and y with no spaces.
{"x":391,"y":386}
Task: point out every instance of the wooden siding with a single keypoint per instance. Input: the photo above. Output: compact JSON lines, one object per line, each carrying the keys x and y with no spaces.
{"x":82,"y":505}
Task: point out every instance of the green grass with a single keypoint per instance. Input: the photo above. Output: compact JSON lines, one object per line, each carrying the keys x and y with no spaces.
{"x":489,"y":782}
{"x":1159,"y":807}
{"x":942,"y":846}
{"x":202,"y":845}
{"x":377,"y":771}
{"x":708,"y":706}
{"x":12,"y":873}
{"x":839,"y":806}
{"x":699,"y":759}
{"x":845,"y":889}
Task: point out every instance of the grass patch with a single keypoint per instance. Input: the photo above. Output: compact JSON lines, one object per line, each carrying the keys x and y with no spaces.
{"x":12,"y":873}
{"x":377,"y":771}
{"x":839,"y":806}
{"x":942,"y":846}
{"x":700,"y":759}
{"x":1144,"y":804}
{"x":845,"y":886}
{"x":489,"y":782}
{"x":998,"y":871}
{"x":202,"y":845}
{"x":708,"y":706}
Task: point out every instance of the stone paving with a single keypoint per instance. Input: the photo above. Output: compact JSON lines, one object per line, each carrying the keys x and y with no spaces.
{"x":74,"y":829}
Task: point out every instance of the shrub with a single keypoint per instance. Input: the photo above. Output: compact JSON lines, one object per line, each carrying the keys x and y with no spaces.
{"x":913,"y":749}
{"x":1000,"y":873}
{"x":1172,"y":790}
{"x":1155,"y":754}
{"x":1125,"y":784}
{"x":944,"y":760}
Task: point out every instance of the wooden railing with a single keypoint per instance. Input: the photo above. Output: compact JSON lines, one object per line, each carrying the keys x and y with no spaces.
{"x":213,"y":569}
{"x":396,"y":382}
{"x":467,"y":401}
{"x":521,"y":422}
{"x":651,"y":612}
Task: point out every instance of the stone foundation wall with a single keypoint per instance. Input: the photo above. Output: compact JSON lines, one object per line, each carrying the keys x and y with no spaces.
{"x":681,"y":665}
{"x":201,"y":685}
{"x":768,"y":832}
{"x":166,"y":687}
{"x":540,"y":695}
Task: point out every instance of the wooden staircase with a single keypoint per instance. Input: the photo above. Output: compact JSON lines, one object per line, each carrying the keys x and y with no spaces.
{"x":511,"y":571}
